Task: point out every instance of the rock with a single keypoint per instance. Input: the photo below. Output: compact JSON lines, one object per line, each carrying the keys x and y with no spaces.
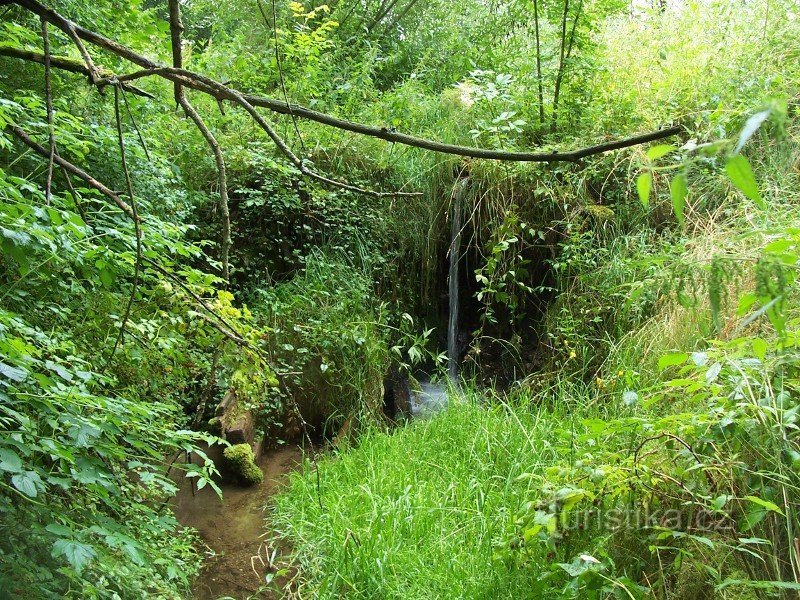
{"x":242,"y":431}
{"x":240,"y":461}
{"x":397,"y":395}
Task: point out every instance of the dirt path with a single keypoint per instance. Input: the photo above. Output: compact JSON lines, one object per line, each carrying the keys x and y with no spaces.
{"x":234,"y":528}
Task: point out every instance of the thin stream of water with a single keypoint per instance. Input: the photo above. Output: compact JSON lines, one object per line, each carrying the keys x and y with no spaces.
{"x":457,"y":202}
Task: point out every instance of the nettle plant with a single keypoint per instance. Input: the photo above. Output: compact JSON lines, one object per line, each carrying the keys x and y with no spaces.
{"x":724,"y":153}
{"x":713,"y":490}
{"x":491,"y":94}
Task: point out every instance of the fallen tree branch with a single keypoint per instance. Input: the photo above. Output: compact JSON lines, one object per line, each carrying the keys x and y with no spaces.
{"x":220,"y":92}
{"x":65,"y":63}
{"x":70,"y":168}
{"x":180,"y":76}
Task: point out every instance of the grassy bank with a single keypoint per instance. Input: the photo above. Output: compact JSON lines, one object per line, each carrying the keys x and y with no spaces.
{"x":419,"y":513}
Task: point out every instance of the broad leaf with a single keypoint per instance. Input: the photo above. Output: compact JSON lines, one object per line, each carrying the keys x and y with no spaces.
{"x":77,"y":553}
{"x":9,"y":461}
{"x":677,"y":190}
{"x":765,"y":503}
{"x":27,"y":482}
{"x":644,"y":184}
{"x":670,"y":360}
{"x":659,"y":151}
{"x":13,"y":373}
{"x":752,"y":125}
{"x":741,"y":175}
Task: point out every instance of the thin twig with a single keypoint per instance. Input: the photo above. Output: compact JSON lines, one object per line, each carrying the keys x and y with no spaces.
{"x":176,"y":28}
{"x":48,"y":93}
{"x":279,"y":64}
{"x":137,"y":227}
{"x":87,"y":58}
{"x":135,"y":126}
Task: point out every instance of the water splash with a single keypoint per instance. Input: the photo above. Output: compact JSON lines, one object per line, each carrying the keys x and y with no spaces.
{"x":429,"y":400}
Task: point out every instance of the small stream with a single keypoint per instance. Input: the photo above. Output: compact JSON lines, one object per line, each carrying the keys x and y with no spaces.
{"x":234,"y":528}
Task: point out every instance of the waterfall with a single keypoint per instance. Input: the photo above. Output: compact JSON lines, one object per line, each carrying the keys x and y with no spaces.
{"x":457,"y":202}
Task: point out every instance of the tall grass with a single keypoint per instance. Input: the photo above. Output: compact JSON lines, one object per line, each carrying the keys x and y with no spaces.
{"x":419,"y":513}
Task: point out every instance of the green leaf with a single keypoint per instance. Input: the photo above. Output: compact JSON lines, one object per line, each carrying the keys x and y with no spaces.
{"x":9,"y":461}
{"x":759,"y":585}
{"x":59,"y":530}
{"x":741,"y":175}
{"x":644,"y":183}
{"x":670,"y":360}
{"x":13,"y":373}
{"x":752,"y":125}
{"x":62,"y":372}
{"x":713,"y":372}
{"x":779,"y":246}
{"x":759,"y":348}
{"x":77,"y":554}
{"x":719,"y":502}
{"x":106,"y":278}
{"x":765,"y":503}
{"x":27,"y":482}
{"x":657,"y":152}
{"x":677,"y":190}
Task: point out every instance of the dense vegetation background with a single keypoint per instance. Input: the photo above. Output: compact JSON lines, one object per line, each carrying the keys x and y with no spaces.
{"x":627,"y":421}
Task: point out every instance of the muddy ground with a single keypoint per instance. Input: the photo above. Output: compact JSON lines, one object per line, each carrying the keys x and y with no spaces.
{"x":235,"y":529}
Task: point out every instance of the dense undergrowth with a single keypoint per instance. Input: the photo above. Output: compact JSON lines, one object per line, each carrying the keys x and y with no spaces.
{"x":626,"y":426}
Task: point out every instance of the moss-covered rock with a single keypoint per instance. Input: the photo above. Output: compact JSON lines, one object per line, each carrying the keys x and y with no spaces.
{"x":240,"y":461}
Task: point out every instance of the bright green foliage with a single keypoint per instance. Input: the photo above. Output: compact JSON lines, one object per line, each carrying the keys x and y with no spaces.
{"x":637,"y":309}
{"x":331,"y":336}
{"x":240,"y":461}
{"x":559,"y":497}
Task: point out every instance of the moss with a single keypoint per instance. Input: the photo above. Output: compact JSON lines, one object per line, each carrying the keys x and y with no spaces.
{"x":240,"y":461}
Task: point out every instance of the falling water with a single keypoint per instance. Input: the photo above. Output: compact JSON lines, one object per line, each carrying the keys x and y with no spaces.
{"x":455,"y":250}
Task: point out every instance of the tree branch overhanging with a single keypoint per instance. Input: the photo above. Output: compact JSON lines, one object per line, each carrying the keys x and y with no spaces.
{"x":70,"y":168}
{"x":221,"y":92}
{"x":65,"y":63}
{"x":176,"y":31}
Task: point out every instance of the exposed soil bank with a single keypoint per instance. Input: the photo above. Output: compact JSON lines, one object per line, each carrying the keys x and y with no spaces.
{"x":235,"y":529}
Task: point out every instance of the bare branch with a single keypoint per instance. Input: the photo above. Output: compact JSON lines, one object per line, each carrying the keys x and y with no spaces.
{"x":220,"y":92}
{"x":278,"y":62}
{"x":137,"y":227}
{"x":176,"y":29}
{"x":48,"y":94}
{"x":217,"y":89}
{"x":92,"y":70}
{"x":67,"y":64}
